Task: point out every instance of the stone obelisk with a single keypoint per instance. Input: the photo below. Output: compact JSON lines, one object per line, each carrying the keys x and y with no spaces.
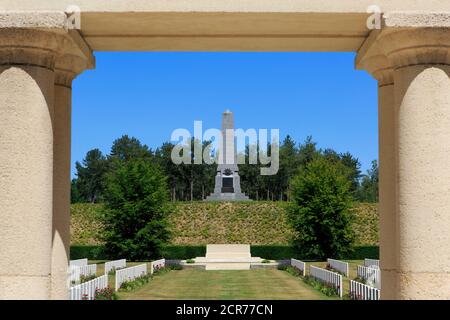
{"x":228,"y":182}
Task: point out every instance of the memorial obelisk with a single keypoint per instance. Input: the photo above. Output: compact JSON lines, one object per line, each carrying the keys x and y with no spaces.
{"x":228,"y":182}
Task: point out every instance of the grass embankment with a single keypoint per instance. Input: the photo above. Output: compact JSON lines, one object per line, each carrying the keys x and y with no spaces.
{"x":230,"y":222}
{"x":86,"y":225}
{"x":200,"y":223}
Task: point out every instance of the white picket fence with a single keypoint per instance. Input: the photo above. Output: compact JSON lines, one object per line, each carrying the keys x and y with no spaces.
{"x":79,"y":262}
{"x":75,"y":272}
{"x":158,"y":264}
{"x":115,"y":265}
{"x":360,"y":291}
{"x":338,"y":265}
{"x":371,"y":275}
{"x":129,"y":274}
{"x":299,"y":265}
{"x":86,"y":290}
{"x":327,"y":277}
{"x":371,"y":262}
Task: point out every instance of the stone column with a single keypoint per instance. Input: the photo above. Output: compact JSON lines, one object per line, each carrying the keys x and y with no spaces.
{"x":26,"y":162}
{"x":378,"y":65}
{"x":387,"y":205}
{"x":410,"y":57}
{"x":35,"y":135}
{"x":67,"y":68}
{"x":61,"y":184}
{"x":421,"y":59}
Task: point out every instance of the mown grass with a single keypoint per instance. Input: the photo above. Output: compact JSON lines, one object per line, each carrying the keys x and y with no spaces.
{"x":264,"y":284}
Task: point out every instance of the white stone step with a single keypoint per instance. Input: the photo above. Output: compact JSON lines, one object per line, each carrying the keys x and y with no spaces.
{"x":228,"y":266}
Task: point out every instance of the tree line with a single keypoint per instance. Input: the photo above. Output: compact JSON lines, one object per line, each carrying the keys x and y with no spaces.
{"x":187,"y":182}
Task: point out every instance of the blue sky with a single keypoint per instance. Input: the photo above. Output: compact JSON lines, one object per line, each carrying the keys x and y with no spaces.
{"x":148,"y":95}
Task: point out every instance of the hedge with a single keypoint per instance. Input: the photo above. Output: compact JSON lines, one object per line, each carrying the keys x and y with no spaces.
{"x":272,"y":252}
{"x":181,"y":252}
{"x":281,"y":252}
{"x":90,"y":252}
{"x":362,"y":252}
{"x":171,"y":252}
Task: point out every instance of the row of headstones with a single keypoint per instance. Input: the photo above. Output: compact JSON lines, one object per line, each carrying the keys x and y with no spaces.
{"x":80,"y":268}
{"x":83,"y":281}
{"x":88,"y":289}
{"x":365,"y":287}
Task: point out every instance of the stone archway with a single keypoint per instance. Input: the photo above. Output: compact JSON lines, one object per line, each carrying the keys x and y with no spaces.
{"x":409,"y":56}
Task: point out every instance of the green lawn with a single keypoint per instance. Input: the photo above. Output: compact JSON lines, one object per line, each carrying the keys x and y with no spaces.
{"x":264,"y":284}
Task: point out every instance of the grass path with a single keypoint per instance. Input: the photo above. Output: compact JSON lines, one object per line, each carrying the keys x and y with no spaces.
{"x":264,"y":284}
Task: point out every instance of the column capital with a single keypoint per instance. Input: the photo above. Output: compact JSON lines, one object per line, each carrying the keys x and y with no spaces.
{"x":75,"y":57}
{"x":43,"y":39}
{"x":31,"y":47}
{"x":67,"y":68}
{"x":372,"y":59}
{"x":416,"y":46}
{"x":406,"y":39}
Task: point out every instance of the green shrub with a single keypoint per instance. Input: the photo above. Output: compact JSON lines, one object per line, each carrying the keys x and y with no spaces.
{"x":282,"y":267}
{"x":293,"y":270}
{"x":327,"y":290}
{"x":105,"y":294}
{"x":162,"y":270}
{"x":174,"y":267}
{"x":84,"y":278}
{"x":320,"y":210}
{"x":136,"y":210}
{"x":136,"y":283}
{"x":265,"y":261}
{"x":190,"y":261}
